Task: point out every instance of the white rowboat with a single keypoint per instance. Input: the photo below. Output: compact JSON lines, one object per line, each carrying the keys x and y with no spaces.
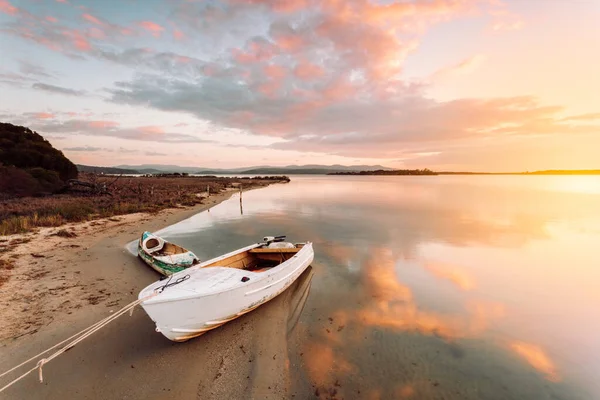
{"x":207,"y":295}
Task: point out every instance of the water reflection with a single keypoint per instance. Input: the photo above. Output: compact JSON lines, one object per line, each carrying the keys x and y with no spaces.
{"x":538,"y":359}
{"x":298,"y":293}
{"x":432,"y":287}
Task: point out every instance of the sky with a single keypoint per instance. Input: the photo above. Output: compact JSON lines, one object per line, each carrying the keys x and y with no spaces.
{"x":477,"y":85}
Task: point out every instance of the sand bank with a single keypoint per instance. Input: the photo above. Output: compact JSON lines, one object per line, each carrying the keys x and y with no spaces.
{"x":61,"y":285}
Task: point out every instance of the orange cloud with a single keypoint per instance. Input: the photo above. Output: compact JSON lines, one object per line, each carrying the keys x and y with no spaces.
{"x":323,"y":363}
{"x":465,"y":67}
{"x":405,"y":391}
{"x":393,"y":305}
{"x":8,"y":8}
{"x":51,"y":19}
{"x":583,"y":117}
{"x":152,"y":27}
{"x":537,"y":358}
{"x":454,"y":274}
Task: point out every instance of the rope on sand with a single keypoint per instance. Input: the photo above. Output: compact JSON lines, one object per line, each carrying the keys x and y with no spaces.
{"x":75,"y":339}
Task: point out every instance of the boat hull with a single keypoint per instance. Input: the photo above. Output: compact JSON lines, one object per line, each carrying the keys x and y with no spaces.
{"x":162,"y":268}
{"x":188,"y":317}
{"x":165,"y":265}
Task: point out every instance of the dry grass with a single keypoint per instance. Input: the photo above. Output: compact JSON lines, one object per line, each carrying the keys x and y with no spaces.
{"x":129,"y":195}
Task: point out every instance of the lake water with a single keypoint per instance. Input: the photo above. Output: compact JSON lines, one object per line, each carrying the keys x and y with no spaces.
{"x":442,"y":287}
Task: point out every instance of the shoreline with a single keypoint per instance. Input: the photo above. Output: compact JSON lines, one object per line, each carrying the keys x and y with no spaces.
{"x":61,"y":285}
{"x":43,"y":259}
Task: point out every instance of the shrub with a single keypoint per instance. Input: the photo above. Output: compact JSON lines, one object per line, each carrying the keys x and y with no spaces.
{"x":17,"y":182}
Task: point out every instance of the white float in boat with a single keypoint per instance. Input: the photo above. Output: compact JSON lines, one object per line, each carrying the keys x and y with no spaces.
{"x":205,"y":296}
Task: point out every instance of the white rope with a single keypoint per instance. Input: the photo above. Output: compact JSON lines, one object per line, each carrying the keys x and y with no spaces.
{"x":78,"y":337}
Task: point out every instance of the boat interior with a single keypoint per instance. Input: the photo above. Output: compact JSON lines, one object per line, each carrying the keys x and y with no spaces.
{"x":154,"y":247}
{"x":259,"y":259}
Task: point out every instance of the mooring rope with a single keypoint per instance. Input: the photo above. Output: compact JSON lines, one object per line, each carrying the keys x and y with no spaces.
{"x":78,"y":337}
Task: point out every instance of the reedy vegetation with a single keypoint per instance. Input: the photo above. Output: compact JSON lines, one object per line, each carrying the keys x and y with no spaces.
{"x":128,"y":195}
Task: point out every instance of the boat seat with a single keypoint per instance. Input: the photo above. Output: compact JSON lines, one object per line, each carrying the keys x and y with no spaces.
{"x":153,"y":244}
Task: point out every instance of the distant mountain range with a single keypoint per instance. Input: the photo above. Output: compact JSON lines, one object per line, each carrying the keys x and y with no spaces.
{"x":258,"y":170}
{"x":105,"y":170}
{"x":311,"y":169}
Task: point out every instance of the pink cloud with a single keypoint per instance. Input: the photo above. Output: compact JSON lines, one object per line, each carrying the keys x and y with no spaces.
{"x":92,"y":19}
{"x":61,"y":1}
{"x":51,"y":19}
{"x":103,"y":124}
{"x":96,"y":33}
{"x":282,"y":6}
{"x":508,"y":25}
{"x":80,"y":42}
{"x":183,"y":59}
{"x":273,"y":71}
{"x":339,"y":89}
{"x":152,"y":130}
{"x":256,"y":52}
{"x":44,"y":115}
{"x":178,"y":35}
{"x":152,"y":27}
{"x":8,"y":8}
{"x":211,"y":69}
{"x":290,"y":42}
{"x":308,"y":71}
{"x":269,"y":89}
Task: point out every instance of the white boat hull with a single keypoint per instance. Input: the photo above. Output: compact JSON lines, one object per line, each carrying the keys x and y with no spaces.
{"x":215,"y":295}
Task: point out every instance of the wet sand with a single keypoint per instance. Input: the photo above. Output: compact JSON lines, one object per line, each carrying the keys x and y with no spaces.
{"x":62,"y":285}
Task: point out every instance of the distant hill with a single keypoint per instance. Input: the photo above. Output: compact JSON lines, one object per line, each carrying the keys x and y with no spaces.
{"x":29,"y":164}
{"x":392,"y":172}
{"x":157,"y":168}
{"x":105,"y":170}
{"x":257,"y":170}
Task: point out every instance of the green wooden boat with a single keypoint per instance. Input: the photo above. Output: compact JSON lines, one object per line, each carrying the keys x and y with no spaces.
{"x":165,"y":257}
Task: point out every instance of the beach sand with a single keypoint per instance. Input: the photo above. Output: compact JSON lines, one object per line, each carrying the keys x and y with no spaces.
{"x":61,"y":285}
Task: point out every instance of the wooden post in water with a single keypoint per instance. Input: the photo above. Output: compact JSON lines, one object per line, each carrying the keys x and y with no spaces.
{"x":241,"y":207}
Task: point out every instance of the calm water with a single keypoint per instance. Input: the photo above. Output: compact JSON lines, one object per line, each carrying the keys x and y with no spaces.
{"x":456,"y":287}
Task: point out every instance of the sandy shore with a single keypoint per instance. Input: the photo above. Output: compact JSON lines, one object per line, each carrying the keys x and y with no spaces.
{"x":61,"y":285}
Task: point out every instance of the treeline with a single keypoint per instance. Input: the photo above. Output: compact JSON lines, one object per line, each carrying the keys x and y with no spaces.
{"x":29,"y":165}
{"x":392,"y":172}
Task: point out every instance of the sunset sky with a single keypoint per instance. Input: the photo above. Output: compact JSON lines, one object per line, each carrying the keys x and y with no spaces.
{"x":480,"y":85}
